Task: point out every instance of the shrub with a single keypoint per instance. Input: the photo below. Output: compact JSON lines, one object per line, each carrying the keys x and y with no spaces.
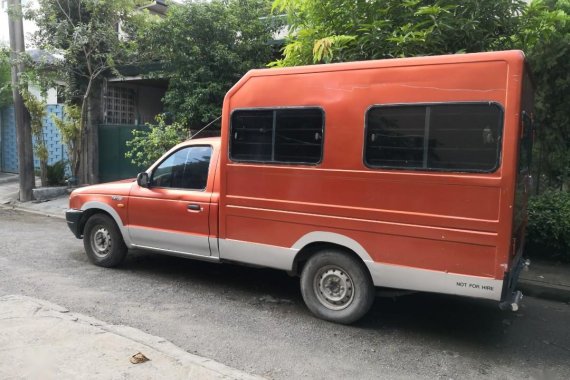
{"x":548,"y":233}
{"x":56,"y":174}
{"x":148,"y":145}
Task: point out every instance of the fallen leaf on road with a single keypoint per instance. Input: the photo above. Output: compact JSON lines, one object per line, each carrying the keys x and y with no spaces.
{"x":139,"y":358}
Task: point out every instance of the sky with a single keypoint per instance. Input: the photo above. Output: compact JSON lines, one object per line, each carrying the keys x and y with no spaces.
{"x":29,"y":26}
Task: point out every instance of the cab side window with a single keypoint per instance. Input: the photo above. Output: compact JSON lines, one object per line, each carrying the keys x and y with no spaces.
{"x":186,"y":168}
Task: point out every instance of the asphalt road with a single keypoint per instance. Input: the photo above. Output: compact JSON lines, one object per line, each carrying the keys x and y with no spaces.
{"x":255,"y":319}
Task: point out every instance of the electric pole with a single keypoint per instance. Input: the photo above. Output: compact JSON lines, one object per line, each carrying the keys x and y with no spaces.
{"x":22,"y":116}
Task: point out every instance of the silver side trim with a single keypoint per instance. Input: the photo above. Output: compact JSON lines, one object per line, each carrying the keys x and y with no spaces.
{"x":425,"y":280}
{"x":105,"y":207}
{"x":264,"y":255}
{"x":402,"y":277}
{"x":179,"y":241}
{"x":179,"y":254}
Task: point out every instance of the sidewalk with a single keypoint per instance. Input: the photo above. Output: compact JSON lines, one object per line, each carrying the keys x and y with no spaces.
{"x":9,"y":189}
{"x":41,"y":340}
{"x":546,"y":280}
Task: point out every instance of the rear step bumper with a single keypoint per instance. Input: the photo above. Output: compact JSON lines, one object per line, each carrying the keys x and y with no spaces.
{"x":510,"y":297}
{"x":512,"y":303}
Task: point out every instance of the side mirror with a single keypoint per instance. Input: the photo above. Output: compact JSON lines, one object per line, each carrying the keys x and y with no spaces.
{"x":142,"y":179}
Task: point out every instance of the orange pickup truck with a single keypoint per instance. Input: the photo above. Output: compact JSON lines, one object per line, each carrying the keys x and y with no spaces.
{"x":406,"y":173}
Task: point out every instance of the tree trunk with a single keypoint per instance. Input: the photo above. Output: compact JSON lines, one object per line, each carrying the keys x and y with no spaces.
{"x":83,"y":169}
{"x":89,"y":159}
{"x":22,"y":116}
{"x":93,"y":119}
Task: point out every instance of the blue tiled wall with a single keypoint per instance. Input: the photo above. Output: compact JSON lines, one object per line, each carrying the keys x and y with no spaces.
{"x":55,"y":146}
{"x":52,"y":137}
{"x":9,"y":144}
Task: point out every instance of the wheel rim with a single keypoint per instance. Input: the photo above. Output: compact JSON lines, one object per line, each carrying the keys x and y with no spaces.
{"x":334,"y":287}
{"x":101,"y":241}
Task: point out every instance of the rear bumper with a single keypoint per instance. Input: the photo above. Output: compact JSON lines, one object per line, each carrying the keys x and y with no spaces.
{"x":510,"y":297}
{"x":73,"y":218}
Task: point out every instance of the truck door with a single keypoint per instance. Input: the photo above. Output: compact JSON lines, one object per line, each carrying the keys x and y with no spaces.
{"x":172,"y":213}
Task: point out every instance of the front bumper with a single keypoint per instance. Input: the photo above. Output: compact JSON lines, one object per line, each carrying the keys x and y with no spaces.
{"x":73,"y":218}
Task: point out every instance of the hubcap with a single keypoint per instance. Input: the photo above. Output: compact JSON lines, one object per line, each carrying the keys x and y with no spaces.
{"x":101,"y":241}
{"x":334,"y":287}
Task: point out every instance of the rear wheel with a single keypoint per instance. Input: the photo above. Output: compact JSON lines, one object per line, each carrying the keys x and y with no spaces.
{"x":337,"y":287}
{"x":103,"y":241}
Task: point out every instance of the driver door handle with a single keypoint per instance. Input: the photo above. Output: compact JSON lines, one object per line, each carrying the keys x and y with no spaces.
{"x":194,"y":207}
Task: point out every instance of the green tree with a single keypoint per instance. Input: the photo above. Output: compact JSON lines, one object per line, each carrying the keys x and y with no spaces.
{"x":341,"y":30}
{"x":70,"y":129}
{"x":5,"y":78}
{"x":37,"y":109}
{"x":147,"y":146}
{"x":545,"y":36}
{"x":85,"y":34}
{"x":205,"y":48}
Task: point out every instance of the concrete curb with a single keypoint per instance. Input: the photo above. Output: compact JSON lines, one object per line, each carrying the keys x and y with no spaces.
{"x":9,"y":178}
{"x":11,"y":206}
{"x":46,"y":193}
{"x":75,"y":345}
{"x":545,"y":290}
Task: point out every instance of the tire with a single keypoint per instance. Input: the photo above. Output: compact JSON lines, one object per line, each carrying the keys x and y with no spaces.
{"x":103,"y":241}
{"x":337,"y":287}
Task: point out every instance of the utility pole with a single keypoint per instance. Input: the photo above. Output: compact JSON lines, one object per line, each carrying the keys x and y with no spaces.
{"x":22,"y":116}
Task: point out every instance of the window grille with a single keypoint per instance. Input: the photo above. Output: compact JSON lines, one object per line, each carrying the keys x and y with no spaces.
{"x":120,"y":105}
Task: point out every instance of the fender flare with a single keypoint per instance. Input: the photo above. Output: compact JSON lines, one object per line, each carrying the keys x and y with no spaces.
{"x":109,"y":210}
{"x":331,"y":237}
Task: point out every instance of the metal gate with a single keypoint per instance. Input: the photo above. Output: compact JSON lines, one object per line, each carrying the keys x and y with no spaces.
{"x":112,"y":148}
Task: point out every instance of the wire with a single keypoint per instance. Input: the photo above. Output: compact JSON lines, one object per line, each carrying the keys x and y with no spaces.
{"x":210,"y":123}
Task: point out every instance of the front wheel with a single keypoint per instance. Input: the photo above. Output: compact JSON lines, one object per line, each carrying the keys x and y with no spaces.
{"x":103,"y":241}
{"x":337,"y":287}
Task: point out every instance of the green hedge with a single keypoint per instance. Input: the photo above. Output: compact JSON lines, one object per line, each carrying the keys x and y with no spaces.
{"x":548,"y":233}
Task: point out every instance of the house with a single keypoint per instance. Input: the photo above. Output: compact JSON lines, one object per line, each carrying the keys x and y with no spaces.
{"x":127,"y":103}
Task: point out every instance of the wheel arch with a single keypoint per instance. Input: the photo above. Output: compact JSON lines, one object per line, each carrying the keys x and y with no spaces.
{"x":315,"y":242}
{"x":91,"y":208}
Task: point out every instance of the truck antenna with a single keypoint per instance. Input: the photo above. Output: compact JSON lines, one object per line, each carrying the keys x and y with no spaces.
{"x":210,"y":123}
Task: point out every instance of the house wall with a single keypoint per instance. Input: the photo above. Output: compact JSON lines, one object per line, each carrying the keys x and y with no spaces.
{"x":149,"y":103}
{"x":50,"y":95}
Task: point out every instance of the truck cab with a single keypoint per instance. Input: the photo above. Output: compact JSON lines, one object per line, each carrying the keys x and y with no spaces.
{"x":172,"y":207}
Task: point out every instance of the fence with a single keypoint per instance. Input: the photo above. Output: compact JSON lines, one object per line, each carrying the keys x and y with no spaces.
{"x":9,"y":145}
